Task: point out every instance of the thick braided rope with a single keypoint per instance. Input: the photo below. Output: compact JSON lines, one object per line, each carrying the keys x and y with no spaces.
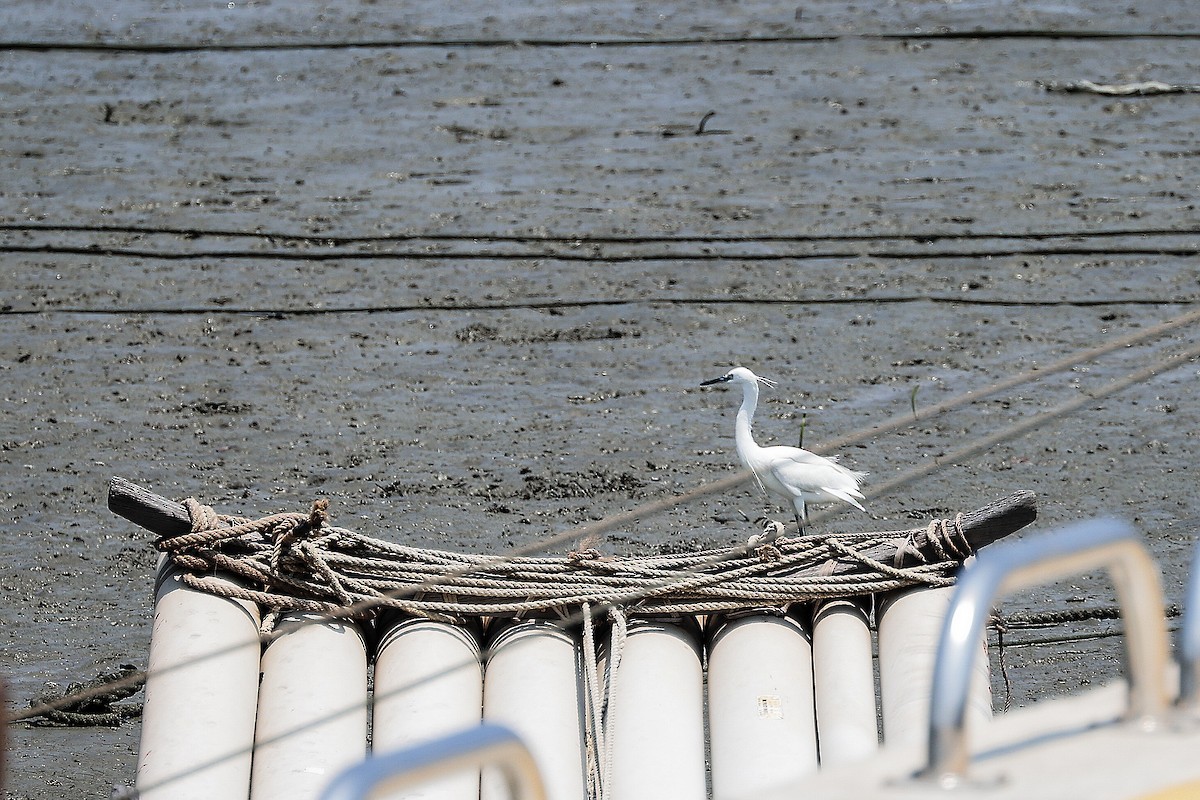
{"x":297,"y":562}
{"x":594,"y":725}
{"x":901,"y":575}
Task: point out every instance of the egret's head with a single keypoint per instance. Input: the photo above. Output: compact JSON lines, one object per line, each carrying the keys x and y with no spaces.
{"x":740,"y":375}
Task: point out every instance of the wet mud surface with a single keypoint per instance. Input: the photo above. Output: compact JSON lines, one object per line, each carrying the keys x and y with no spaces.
{"x":466,"y":287}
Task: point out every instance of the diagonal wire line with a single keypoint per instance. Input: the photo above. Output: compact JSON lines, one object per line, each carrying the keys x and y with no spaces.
{"x":1021,"y":427}
{"x":1012,"y":431}
{"x":737,"y":479}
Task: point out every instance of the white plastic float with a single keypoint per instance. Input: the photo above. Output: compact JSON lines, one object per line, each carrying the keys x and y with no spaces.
{"x":312,"y":707}
{"x":656,"y":715}
{"x":1123,"y":740}
{"x":1135,"y":738}
{"x":844,"y":682}
{"x":201,"y":693}
{"x":760,"y":705}
{"x":533,"y":686}
{"x":774,"y":712}
{"x":768,"y":692}
{"x":909,"y":624}
{"x":428,"y":684}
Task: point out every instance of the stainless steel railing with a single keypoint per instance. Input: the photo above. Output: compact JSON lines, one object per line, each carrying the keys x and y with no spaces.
{"x":1099,"y":544}
{"x":1189,"y":640}
{"x":486,"y":745}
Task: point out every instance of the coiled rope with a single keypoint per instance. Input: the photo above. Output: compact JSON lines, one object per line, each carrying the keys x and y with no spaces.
{"x":299,"y":562}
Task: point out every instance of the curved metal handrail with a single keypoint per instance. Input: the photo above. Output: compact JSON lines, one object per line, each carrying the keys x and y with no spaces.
{"x":1189,"y":639}
{"x":1082,"y":547}
{"x":486,"y":745}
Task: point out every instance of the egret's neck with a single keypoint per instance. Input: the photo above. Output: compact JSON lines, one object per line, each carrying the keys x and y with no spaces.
{"x":743,"y":439}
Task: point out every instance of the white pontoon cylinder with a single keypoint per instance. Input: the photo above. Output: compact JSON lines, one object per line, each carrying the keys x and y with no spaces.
{"x":910,"y":625}
{"x":312,"y":707}
{"x":655,"y":719}
{"x":532,"y":685}
{"x":428,"y":684}
{"x":760,"y":706}
{"x":844,"y":680}
{"x":201,"y":692}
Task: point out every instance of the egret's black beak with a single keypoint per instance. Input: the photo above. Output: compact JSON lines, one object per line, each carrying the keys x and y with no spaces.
{"x":721,"y":379}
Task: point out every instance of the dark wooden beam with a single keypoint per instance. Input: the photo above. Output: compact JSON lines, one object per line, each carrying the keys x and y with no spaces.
{"x":981,"y":527}
{"x":143,"y":507}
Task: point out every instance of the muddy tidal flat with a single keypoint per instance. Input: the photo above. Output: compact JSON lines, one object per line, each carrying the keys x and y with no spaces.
{"x":461,"y":271}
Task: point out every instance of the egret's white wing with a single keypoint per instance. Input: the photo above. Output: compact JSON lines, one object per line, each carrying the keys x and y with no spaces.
{"x":804,"y":472}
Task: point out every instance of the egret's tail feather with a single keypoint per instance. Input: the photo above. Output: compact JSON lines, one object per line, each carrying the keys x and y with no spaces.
{"x":846,"y":496}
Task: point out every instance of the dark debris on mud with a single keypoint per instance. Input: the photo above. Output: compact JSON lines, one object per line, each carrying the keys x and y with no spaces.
{"x":534,"y":486}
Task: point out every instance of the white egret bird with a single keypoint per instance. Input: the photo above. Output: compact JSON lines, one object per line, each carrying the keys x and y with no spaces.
{"x":796,"y":475}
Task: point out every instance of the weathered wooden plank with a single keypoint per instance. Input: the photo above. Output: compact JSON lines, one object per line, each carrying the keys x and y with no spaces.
{"x":146,"y":509}
{"x":980,"y":527}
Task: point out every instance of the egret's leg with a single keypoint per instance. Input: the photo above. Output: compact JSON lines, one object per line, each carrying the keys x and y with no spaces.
{"x":801,"y":517}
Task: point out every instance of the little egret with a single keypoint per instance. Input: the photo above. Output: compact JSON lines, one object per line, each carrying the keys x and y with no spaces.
{"x":796,"y":475}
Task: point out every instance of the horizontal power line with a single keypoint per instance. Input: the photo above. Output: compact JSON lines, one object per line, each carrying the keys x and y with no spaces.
{"x":407,"y":308}
{"x":589,"y":238}
{"x":594,"y":258}
{"x":585,"y":42}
